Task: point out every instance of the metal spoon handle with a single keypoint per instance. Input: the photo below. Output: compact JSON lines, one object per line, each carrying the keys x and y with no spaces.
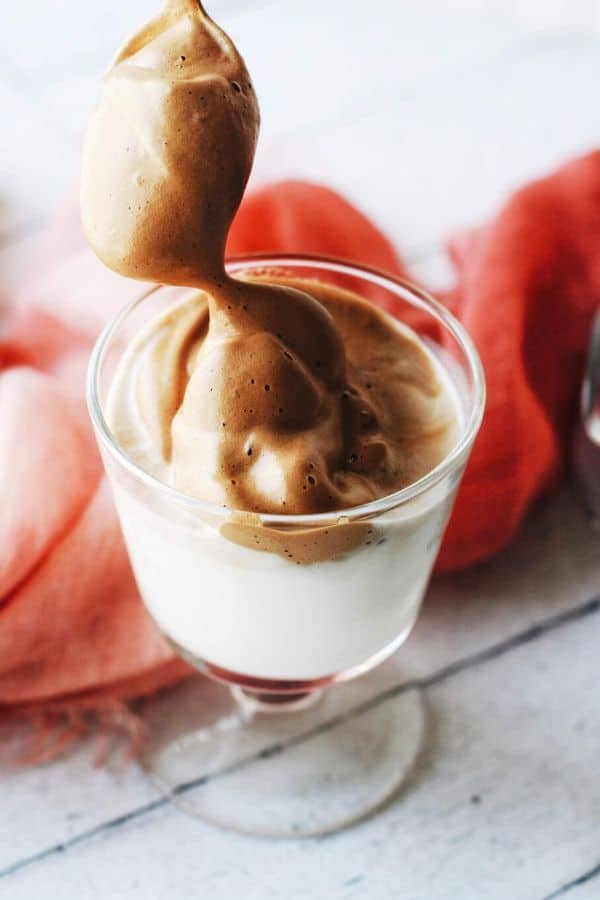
{"x":586,"y":455}
{"x":590,"y":393}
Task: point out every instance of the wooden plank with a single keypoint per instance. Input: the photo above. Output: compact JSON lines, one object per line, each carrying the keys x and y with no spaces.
{"x":583,"y":887}
{"x":505,"y":803}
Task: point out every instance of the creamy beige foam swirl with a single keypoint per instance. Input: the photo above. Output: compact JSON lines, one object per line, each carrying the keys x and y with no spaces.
{"x":265,"y":397}
{"x":168,"y":150}
{"x":201,"y":415}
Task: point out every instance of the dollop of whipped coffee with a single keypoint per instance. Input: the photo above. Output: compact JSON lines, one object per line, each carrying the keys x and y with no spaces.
{"x":168,"y":150}
{"x":260,"y":396}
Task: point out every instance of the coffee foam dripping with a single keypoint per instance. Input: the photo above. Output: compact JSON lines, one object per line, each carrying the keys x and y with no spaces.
{"x":257,"y":408}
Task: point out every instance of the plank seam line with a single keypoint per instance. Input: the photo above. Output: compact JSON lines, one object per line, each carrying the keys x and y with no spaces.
{"x":575,"y":883}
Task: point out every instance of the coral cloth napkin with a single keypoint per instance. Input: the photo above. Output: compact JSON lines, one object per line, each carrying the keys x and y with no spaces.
{"x":73,"y":633}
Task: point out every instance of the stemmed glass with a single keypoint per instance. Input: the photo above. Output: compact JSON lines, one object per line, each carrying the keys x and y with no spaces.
{"x":285,"y":738}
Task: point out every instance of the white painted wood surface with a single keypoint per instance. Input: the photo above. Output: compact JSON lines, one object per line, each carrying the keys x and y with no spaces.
{"x":452,"y":105}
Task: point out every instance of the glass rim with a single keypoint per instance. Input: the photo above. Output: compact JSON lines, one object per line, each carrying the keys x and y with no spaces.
{"x":392,"y":283}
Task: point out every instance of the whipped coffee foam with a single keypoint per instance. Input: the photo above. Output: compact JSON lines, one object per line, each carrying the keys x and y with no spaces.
{"x":169,"y":149}
{"x":257,"y":395}
{"x":396,"y":417}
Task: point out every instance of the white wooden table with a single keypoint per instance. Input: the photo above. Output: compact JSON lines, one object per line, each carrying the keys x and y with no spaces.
{"x":451,"y":105}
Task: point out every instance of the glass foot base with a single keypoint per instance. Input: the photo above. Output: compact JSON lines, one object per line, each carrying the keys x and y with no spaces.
{"x":307,"y":767}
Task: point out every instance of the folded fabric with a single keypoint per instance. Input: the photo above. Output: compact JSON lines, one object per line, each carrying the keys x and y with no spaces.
{"x":73,"y":633}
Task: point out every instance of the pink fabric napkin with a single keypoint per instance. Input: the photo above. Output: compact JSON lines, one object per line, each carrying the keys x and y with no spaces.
{"x":73,"y":632}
